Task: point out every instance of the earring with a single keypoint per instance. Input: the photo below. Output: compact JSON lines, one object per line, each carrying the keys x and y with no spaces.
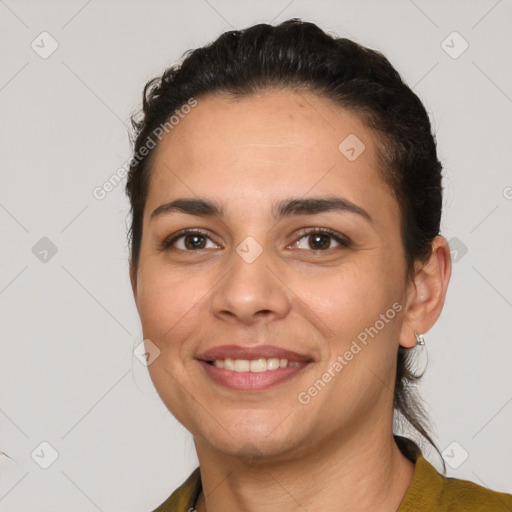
{"x":420,"y":340}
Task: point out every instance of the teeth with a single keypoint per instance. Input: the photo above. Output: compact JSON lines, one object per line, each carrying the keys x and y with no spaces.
{"x":255,"y":365}
{"x":258,"y":365}
{"x":242,"y":365}
{"x":273,"y":363}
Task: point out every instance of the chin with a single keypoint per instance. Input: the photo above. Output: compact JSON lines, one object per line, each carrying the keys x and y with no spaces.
{"x":251,"y":449}
{"x":251,"y":437}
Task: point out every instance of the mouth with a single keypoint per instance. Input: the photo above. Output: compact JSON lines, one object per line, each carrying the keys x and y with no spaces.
{"x":261,"y":364}
{"x":252,"y":368}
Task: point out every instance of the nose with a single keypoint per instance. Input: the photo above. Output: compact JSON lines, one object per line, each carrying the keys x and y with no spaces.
{"x":250,"y":293}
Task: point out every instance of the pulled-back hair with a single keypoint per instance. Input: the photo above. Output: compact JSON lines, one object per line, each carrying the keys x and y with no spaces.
{"x":300,"y":56}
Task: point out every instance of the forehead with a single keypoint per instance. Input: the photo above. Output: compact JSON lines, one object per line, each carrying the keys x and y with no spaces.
{"x":270,"y":119}
{"x":264,"y":146}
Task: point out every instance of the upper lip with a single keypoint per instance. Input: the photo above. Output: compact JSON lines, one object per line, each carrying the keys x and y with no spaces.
{"x":250,"y":353}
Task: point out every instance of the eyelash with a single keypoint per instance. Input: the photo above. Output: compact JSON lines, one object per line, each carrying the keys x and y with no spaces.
{"x":168,"y":242}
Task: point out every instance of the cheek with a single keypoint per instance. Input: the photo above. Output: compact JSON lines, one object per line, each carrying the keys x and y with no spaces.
{"x":362,"y":315}
{"x":360,"y":311}
{"x":169,"y":307}
{"x":169,"y":304}
{"x":345,"y":298}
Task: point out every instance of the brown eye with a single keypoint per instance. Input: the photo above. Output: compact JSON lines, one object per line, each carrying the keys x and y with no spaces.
{"x":195,"y":241}
{"x":320,"y":239}
{"x":189,"y":241}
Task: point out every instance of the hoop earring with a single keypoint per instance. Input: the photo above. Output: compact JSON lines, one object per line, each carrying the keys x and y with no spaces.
{"x":420,"y":340}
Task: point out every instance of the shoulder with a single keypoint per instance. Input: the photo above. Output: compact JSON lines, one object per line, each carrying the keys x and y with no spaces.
{"x":183,"y":499}
{"x":465,"y":495}
{"x":429,"y":490}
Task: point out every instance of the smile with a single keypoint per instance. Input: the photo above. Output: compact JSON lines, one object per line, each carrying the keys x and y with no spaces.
{"x":255,"y":365}
{"x":252,"y":368}
{"x":254,"y":375}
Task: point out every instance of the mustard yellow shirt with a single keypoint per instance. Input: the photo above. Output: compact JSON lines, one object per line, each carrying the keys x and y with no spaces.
{"x":429,"y":492}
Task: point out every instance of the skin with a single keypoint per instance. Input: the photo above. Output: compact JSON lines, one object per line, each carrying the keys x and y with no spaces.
{"x":264,"y":450}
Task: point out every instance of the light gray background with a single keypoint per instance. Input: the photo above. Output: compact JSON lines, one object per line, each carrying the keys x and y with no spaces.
{"x":68,"y":375}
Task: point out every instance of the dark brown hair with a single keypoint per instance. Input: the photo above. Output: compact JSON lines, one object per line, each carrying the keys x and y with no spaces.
{"x":299,"y":55}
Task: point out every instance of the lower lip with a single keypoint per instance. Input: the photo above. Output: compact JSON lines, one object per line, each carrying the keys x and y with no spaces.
{"x":250,"y":381}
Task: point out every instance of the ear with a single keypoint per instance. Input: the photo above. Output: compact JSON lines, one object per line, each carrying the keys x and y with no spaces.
{"x":426,"y":293}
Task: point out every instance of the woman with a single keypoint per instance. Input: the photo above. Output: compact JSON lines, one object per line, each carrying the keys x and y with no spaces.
{"x":285,"y":259}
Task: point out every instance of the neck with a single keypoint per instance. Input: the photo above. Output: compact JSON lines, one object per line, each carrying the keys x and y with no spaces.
{"x":360,"y":474}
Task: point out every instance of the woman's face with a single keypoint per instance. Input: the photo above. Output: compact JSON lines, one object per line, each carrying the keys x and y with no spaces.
{"x":281,"y":167}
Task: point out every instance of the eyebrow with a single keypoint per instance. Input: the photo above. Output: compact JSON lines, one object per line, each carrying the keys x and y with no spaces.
{"x":283,"y":209}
